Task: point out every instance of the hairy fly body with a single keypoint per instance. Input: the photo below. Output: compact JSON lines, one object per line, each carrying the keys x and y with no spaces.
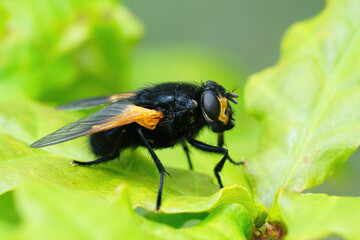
{"x":154,"y":117}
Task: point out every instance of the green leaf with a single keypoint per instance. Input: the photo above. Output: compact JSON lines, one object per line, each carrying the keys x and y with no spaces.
{"x":50,"y":212}
{"x":314,"y":216}
{"x":20,"y":124}
{"x":54,"y":50}
{"x":308,"y":103}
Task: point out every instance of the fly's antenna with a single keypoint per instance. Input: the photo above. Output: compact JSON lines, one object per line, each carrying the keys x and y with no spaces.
{"x":231,"y":96}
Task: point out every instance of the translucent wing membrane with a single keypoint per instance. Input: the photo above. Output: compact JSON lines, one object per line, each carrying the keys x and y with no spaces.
{"x":95,"y":101}
{"x":109,"y":117}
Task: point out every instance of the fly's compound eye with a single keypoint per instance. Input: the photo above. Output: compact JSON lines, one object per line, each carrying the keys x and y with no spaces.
{"x":211,"y":106}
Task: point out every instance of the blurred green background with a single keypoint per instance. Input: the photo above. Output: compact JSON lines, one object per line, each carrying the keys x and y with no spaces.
{"x":247,"y":32}
{"x":58,"y":51}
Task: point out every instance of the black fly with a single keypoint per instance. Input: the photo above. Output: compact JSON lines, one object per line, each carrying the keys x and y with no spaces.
{"x":160,"y":116}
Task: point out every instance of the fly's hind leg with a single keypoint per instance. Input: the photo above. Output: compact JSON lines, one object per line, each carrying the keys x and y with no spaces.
{"x":102,"y":159}
{"x":94,"y":162}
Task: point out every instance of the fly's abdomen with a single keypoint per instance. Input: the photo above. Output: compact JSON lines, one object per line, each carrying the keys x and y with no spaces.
{"x":108,"y":142}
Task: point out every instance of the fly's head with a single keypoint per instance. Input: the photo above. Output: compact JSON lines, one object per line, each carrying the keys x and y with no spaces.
{"x":215,"y":106}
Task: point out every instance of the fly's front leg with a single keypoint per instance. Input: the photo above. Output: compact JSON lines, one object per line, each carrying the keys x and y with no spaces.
{"x":221,"y":139}
{"x":221,"y":143}
{"x":159,"y":166}
{"x":208,"y":148}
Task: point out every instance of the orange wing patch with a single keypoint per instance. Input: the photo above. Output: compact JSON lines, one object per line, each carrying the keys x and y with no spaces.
{"x":145,"y":117}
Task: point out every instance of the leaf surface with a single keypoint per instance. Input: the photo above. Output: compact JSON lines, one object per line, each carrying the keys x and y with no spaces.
{"x":48,"y":212}
{"x":315,"y":216}
{"x":308,"y":103}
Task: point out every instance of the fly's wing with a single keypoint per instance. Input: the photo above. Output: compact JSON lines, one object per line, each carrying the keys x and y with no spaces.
{"x":109,"y":117}
{"x":95,"y":101}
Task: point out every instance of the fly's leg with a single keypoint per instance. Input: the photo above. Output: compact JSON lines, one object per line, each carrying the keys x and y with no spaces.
{"x":221,"y":140}
{"x":115,"y":154}
{"x":97,"y":161}
{"x":221,"y":143}
{"x":186,"y":149}
{"x":208,"y":148}
{"x":236,"y":163}
{"x":159,"y":166}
